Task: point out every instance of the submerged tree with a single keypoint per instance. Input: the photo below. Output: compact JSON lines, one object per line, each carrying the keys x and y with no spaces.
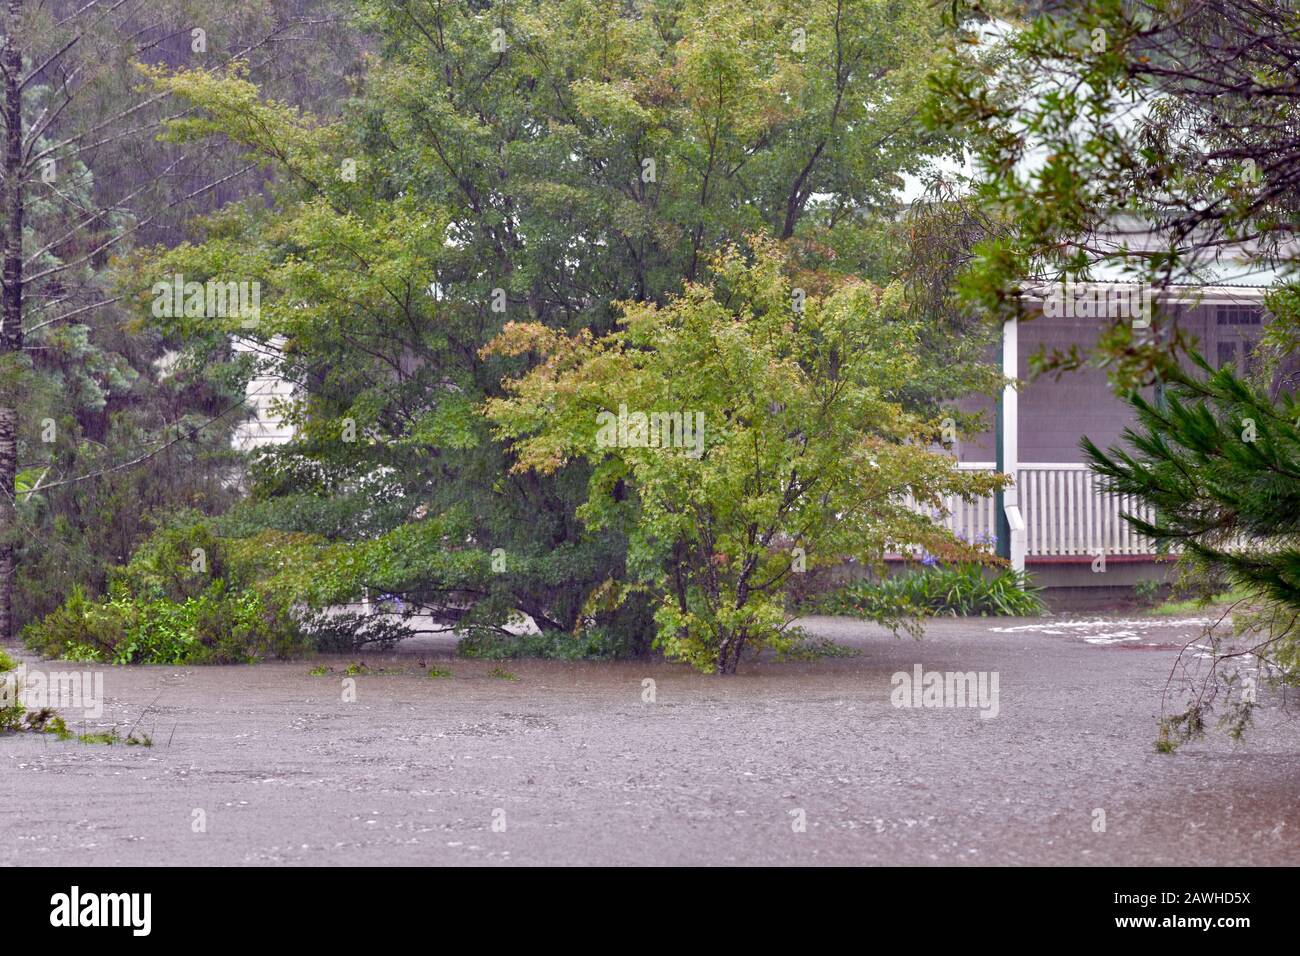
{"x":742,"y":434}
{"x":532,"y":162}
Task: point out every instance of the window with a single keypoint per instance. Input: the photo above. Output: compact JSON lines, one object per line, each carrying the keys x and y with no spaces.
{"x":1237,"y":315}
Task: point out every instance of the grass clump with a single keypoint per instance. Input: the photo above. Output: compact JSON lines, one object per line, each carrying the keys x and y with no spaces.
{"x":111,"y":736}
{"x":1192,"y":605}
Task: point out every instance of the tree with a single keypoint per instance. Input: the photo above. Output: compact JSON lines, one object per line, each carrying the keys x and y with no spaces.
{"x":1105,"y":121}
{"x":82,"y":399}
{"x":742,"y":433}
{"x":1146,"y":136}
{"x":539,"y":162}
{"x":1218,"y":460}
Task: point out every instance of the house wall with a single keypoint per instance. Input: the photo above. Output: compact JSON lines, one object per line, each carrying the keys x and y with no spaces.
{"x":1056,"y":412}
{"x":264,"y":426}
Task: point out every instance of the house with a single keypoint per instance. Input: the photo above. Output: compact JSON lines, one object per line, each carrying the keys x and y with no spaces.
{"x":1057,"y":523}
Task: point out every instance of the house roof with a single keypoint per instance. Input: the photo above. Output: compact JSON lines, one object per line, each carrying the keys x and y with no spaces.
{"x":1232,"y":272}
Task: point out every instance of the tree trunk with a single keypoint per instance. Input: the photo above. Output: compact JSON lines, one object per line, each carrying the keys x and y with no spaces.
{"x":729,"y":652}
{"x":11,"y":313}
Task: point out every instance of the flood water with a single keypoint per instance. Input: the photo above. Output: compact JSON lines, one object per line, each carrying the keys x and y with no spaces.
{"x":784,"y":763}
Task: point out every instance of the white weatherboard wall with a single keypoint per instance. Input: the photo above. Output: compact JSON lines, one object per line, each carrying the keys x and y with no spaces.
{"x":264,"y":426}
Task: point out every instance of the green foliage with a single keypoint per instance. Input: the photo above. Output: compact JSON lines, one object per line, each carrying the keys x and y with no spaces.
{"x":11,"y":718}
{"x":1049,"y":121}
{"x":177,"y":601}
{"x":335,"y":632}
{"x":1218,"y":460}
{"x":962,"y":590}
{"x":15,"y":718}
{"x":215,"y":626}
{"x":113,"y":736}
{"x":1170,"y":128}
{"x":1164,"y":127}
{"x":1193,"y":605}
{"x":600,"y":156}
{"x":500,"y":673}
{"x":800,"y":453}
{"x":122,"y":424}
{"x":811,"y":648}
{"x":93,"y":400}
{"x":1179,"y":729}
{"x":1148,"y":591}
{"x":593,"y":643}
{"x":46,"y":721}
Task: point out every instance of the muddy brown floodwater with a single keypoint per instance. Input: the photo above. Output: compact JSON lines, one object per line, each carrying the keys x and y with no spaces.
{"x":568,"y":764}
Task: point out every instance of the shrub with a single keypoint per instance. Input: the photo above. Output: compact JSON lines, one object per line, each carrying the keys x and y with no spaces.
{"x":596,"y":643}
{"x":178,"y":601}
{"x":11,"y":718}
{"x":807,"y":442}
{"x":615,"y":627}
{"x":80,"y":629}
{"x":342,"y":633}
{"x":218,"y":626}
{"x":16,"y":718}
{"x":962,"y":590}
{"x":1148,"y":591}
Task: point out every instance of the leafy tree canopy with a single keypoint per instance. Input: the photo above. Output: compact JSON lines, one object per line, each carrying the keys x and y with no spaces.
{"x":538,"y":163}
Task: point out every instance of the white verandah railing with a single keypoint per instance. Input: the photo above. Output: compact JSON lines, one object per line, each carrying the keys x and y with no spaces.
{"x":1065,"y":512}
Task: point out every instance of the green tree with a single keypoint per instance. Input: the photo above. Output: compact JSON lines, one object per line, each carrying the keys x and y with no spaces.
{"x":101,"y":423}
{"x":116,"y":425}
{"x":1218,"y":460}
{"x":1148,"y":137}
{"x":1143,"y":137}
{"x":536,"y":162}
{"x":741,"y":434}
